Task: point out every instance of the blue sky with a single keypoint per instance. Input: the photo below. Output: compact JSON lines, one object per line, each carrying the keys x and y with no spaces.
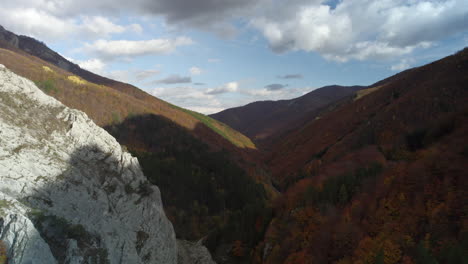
{"x":211,"y":55}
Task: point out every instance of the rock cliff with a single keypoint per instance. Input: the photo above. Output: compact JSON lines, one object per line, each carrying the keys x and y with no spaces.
{"x":68,"y":192}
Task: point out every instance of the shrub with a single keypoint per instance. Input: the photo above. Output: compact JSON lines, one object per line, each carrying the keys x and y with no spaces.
{"x":76,"y":80}
{"x":3,"y":253}
{"x":47,"y":86}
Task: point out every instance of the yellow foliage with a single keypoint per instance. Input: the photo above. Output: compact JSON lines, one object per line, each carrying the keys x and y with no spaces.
{"x":76,"y":79}
{"x":366,"y":252}
{"x":392,"y":252}
{"x":345,"y":260}
{"x":402,"y":197}
{"x":364,"y":92}
{"x":47,"y":69}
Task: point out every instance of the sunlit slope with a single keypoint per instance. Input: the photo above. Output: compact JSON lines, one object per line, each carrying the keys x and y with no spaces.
{"x":108,"y":105}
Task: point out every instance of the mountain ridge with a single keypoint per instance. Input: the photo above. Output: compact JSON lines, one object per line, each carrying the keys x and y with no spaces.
{"x":263,"y":119}
{"x":380,"y":179}
{"x":26,"y":45}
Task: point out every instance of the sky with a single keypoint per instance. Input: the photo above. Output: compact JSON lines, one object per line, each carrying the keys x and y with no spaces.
{"x":209,"y":55}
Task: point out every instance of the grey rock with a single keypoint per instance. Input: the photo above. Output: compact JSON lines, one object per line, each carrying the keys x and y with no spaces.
{"x":75,"y":183}
{"x":193,"y":253}
{"x":18,"y":232}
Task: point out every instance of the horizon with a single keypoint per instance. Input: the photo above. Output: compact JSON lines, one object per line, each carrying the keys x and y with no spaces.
{"x":209,"y":57}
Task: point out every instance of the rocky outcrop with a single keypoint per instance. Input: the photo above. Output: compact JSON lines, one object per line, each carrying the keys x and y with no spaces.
{"x":193,"y":253}
{"x":37,"y":48}
{"x":68,"y":192}
{"x":9,"y":37}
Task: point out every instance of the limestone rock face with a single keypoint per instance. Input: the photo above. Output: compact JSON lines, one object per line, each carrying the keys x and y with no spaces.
{"x":68,"y":192}
{"x":193,"y":253}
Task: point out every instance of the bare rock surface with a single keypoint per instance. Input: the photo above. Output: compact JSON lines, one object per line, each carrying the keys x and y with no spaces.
{"x":68,"y":192}
{"x":193,"y":253}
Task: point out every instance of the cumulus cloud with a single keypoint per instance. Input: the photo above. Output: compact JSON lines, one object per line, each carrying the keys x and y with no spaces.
{"x":275,"y":86}
{"x":227,"y":88}
{"x":189,"y":97}
{"x":112,"y":49}
{"x":351,"y":29}
{"x":265,"y":93}
{"x":209,"y":15}
{"x":99,"y":26}
{"x":35,"y":22}
{"x":120,"y":75}
{"x":41,"y":23}
{"x":402,"y":65}
{"x":92,"y":65}
{"x":195,"y":71}
{"x":145,"y":74}
{"x":361,"y":29}
{"x":202,"y":14}
{"x":175,"y":79}
{"x":291,"y":76}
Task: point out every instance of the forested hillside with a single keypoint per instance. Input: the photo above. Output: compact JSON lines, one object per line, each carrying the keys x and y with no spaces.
{"x":206,"y":170}
{"x":265,"y":119}
{"x":384,"y":181}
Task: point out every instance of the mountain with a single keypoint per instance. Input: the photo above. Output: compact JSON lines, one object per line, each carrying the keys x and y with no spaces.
{"x":68,"y":192}
{"x":264,"y":119}
{"x":212,"y":184}
{"x":381,"y":178}
{"x":134,"y":100}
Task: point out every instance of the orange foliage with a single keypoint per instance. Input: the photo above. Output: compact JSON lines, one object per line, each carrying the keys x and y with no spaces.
{"x":238,"y":249}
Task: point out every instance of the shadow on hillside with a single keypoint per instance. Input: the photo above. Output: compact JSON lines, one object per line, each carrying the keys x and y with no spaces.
{"x":95,"y":190}
{"x":204,"y":190}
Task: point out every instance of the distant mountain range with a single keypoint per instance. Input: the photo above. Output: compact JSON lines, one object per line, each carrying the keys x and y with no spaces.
{"x":264,"y":119}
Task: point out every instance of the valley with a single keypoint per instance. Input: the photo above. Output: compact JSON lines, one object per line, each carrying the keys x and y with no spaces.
{"x":341,"y":174}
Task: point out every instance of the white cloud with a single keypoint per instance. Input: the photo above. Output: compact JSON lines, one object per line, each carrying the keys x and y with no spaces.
{"x":362,"y":29}
{"x":145,"y":74}
{"x":174,"y":79}
{"x":402,"y":65}
{"x":135,"y":28}
{"x":276,"y":86}
{"x":189,"y":97}
{"x":291,"y":76}
{"x":36,"y":23}
{"x":268,"y":94}
{"x":99,"y":26}
{"x":207,"y":110}
{"x":120,"y":75}
{"x":226,"y":88}
{"x":354,"y":29}
{"x":112,"y":49}
{"x":40,"y":22}
{"x":261,"y":93}
{"x":92,"y":65}
{"x":195,"y":71}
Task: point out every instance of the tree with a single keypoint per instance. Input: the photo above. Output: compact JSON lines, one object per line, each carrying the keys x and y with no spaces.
{"x":3,"y":253}
{"x":343,"y":195}
{"x":423,"y":255}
